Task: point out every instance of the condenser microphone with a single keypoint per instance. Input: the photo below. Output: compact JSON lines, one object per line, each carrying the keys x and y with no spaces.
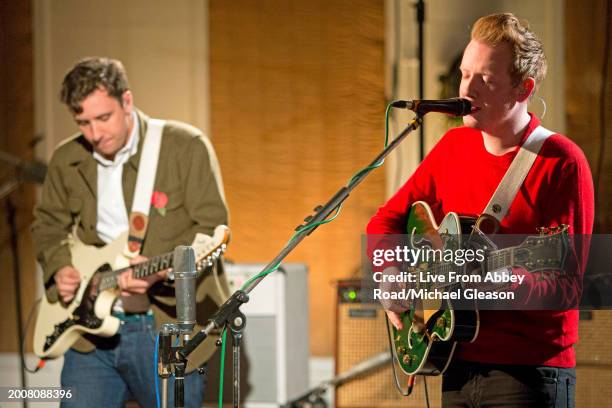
{"x":453,"y":106}
{"x":184,"y":283}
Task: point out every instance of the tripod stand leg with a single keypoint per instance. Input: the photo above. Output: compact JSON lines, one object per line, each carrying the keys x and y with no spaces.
{"x":237,"y":323}
{"x":164,"y":395}
{"x":236,"y":340}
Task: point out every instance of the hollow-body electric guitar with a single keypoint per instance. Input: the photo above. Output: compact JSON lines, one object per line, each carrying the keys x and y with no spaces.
{"x":60,"y":325}
{"x":432,"y":328}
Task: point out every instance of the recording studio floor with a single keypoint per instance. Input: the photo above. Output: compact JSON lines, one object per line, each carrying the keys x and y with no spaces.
{"x":321,"y":369}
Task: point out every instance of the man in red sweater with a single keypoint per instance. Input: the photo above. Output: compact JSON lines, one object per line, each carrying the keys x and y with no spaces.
{"x":520,"y":358}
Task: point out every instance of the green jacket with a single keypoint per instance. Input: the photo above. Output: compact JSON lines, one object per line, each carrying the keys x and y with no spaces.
{"x":188,"y":173}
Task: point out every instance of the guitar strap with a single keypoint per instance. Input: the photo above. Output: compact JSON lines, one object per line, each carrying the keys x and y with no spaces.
{"x":500,"y":202}
{"x":147,"y":168}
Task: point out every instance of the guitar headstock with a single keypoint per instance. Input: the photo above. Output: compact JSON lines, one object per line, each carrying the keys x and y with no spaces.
{"x":208,"y":249}
{"x":547,"y":251}
{"x":544,"y":231}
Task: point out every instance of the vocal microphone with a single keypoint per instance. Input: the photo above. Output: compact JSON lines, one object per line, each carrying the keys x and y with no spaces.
{"x":453,"y":106}
{"x":184,"y":283}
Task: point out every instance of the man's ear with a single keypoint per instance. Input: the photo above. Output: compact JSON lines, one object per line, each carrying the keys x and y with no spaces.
{"x":525,"y":89}
{"x":127,"y":102}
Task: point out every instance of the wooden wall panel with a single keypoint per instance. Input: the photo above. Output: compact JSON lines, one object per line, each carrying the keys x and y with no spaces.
{"x":589,"y":99}
{"x":16,"y":135}
{"x":297,"y":106}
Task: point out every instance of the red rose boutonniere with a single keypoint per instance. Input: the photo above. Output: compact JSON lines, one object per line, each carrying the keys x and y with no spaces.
{"x":159,"y":200}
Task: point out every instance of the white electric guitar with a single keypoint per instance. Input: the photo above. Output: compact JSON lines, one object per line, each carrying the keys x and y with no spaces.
{"x":60,"y":325}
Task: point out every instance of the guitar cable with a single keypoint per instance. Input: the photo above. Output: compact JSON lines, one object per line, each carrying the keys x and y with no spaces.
{"x":426,"y":393}
{"x":411,"y":378}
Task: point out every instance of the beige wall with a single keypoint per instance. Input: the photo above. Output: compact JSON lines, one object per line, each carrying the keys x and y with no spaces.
{"x":297,"y":108}
{"x":162,"y":44}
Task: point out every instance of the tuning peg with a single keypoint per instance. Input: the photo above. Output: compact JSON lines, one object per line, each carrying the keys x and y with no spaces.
{"x":543,"y":230}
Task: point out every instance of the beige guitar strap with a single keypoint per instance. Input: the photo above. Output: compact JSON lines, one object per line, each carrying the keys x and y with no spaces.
{"x":147,"y":168}
{"x":515,"y":175}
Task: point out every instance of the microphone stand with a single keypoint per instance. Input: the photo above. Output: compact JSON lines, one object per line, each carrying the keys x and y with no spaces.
{"x":24,"y":171}
{"x":229,"y":313}
{"x":314,"y":397}
{"x":420,"y":15}
{"x":5,"y":190}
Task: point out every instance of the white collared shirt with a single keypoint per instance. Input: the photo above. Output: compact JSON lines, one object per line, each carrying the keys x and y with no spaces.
{"x":112,"y":214}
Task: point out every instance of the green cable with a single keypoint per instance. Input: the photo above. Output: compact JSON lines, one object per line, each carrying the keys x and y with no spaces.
{"x":222,"y":367}
{"x":380,"y":163}
{"x":335,"y":215}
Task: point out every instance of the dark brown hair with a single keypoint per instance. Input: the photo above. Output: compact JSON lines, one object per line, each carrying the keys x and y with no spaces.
{"x":90,"y":74}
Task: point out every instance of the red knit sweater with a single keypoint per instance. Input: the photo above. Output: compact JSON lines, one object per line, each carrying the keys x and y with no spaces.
{"x":460,"y":175}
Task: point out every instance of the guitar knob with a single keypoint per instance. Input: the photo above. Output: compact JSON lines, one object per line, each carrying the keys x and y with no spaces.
{"x":441,"y":322}
{"x":407,"y":359}
{"x":401,"y":350}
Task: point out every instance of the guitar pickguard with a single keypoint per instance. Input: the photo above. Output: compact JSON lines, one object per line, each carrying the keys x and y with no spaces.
{"x":84,"y":314}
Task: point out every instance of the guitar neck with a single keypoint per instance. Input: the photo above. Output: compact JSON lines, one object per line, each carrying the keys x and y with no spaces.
{"x":498,"y":259}
{"x":501,"y":258}
{"x":141,"y":270}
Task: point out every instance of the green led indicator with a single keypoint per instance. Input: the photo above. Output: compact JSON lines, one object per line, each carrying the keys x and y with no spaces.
{"x":352,"y":295}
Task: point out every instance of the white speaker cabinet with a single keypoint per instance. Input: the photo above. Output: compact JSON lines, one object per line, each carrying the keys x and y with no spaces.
{"x":275,"y":355}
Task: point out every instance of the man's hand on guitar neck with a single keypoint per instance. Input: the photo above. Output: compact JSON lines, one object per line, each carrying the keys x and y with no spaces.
{"x":130,"y":285}
{"x":67,"y":280}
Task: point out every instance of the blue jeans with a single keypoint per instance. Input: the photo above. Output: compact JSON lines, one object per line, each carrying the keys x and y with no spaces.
{"x":467,"y":384}
{"x":123,"y":368}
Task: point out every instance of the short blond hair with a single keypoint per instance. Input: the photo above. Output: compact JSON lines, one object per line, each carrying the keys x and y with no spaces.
{"x":528,"y":59}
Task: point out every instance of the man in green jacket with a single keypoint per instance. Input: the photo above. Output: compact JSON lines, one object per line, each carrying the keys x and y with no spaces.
{"x":89,"y":190}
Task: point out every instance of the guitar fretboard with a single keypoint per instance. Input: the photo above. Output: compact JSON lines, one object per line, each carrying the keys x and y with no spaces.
{"x":158,"y":263}
{"x":499,"y":259}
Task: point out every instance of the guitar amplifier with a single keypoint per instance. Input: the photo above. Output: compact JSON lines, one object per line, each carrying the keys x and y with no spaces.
{"x":361,"y":334}
{"x":594,"y":359}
